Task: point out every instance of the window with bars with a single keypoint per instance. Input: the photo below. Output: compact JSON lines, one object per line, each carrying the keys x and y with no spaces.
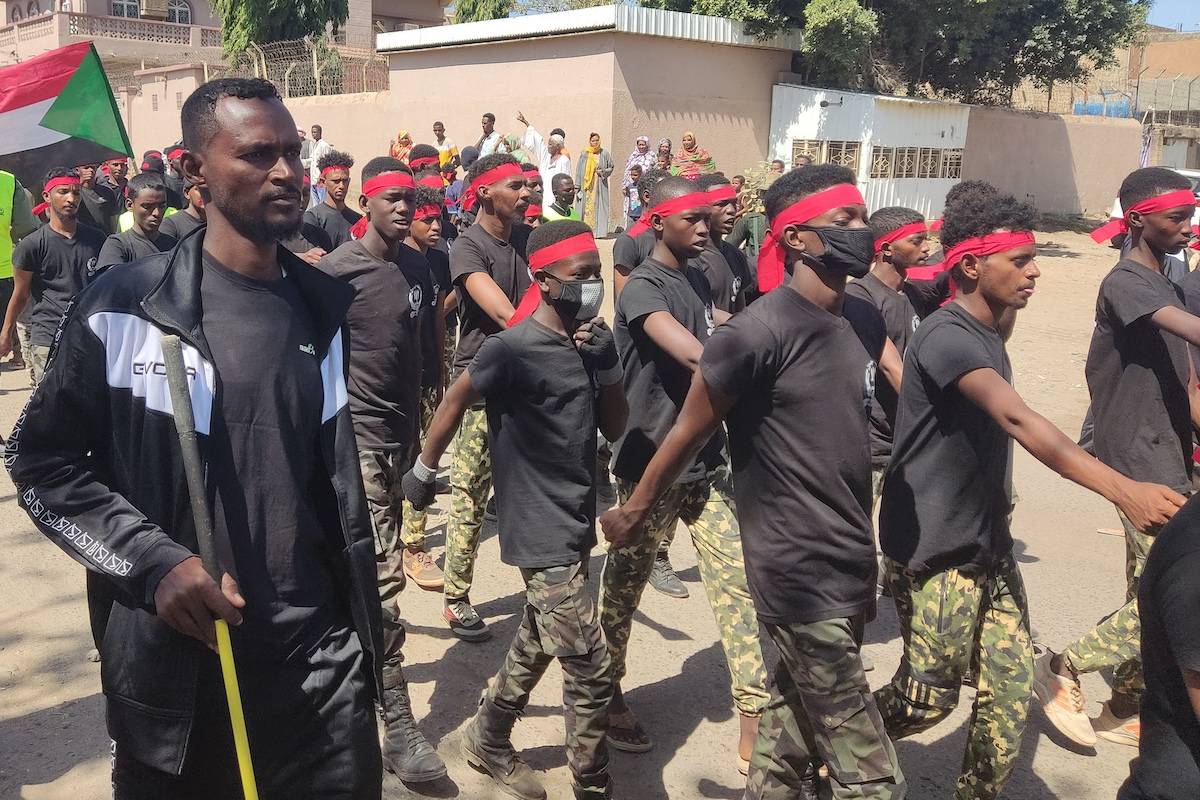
{"x":126,"y":8}
{"x":154,"y":102}
{"x":916,"y":162}
{"x":178,"y":100}
{"x":829,"y":151}
{"x":179,"y":11}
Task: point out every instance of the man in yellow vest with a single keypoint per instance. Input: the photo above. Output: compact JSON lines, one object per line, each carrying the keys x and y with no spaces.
{"x":16,"y":221}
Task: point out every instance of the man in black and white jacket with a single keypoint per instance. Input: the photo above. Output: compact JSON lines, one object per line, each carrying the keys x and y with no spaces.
{"x":97,"y":466}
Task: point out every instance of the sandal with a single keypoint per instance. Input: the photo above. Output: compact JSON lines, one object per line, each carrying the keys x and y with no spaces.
{"x":628,"y":739}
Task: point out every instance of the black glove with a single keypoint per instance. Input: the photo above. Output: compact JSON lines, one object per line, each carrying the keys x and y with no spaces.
{"x":417,"y":491}
{"x":597,"y":345}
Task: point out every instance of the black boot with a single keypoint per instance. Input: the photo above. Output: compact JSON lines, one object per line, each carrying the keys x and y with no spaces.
{"x":810,"y":783}
{"x":406,"y":753}
{"x":487,"y":745}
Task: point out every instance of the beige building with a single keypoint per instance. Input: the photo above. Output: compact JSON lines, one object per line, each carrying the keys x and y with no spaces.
{"x":137,"y":33}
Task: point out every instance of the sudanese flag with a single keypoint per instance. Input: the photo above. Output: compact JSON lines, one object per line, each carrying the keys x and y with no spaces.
{"x":57,"y":110}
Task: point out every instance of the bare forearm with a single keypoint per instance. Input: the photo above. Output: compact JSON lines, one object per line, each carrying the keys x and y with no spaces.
{"x":446,"y":421}
{"x":1054,"y":449}
{"x":16,"y":305}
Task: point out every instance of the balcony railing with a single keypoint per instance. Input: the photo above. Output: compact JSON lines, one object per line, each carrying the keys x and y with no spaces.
{"x":52,"y":30}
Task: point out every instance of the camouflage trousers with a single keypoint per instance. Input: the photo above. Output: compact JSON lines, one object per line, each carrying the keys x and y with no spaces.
{"x":718,"y":544}
{"x":948,"y":620}
{"x":381,"y":474}
{"x":1116,"y":642}
{"x":559,"y":621}
{"x":413,"y":531}
{"x":821,"y":710}
{"x":470,"y":483}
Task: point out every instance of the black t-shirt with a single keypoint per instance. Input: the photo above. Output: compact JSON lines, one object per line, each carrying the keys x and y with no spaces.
{"x":541,"y":410}
{"x":308,"y":237}
{"x":439,"y":269}
{"x":1168,"y":766}
{"x":129,"y":246}
{"x":273,"y":506}
{"x":901,"y":320}
{"x":728,"y":277}
{"x":631,"y":251}
{"x":385,"y":347}
{"x":946,"y":498}
{"x":655,"y":383}
{"x":927,"y":296}
{"x":61,"y":267}
{"x":1137,"y":377}
{"x":179,"y":225}
{"x":799,"y":444}
{"x":335,"y":222}
{"x":476,"y":250}
{"x":97,"y":207}
{"x":424,"y":295}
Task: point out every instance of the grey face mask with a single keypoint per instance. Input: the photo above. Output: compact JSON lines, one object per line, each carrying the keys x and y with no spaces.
{"x":579,"y":299}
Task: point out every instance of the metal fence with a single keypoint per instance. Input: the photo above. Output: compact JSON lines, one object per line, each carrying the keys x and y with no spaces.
{"x":1114,"y":93}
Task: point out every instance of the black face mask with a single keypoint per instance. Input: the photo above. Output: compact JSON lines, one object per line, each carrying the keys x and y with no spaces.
{"x":848,"y":250}
{"x":579,"y":299}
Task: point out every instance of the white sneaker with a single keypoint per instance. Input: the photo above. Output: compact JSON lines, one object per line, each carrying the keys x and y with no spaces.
{"x":1110,"y":727}
{"x":1062,"y":700}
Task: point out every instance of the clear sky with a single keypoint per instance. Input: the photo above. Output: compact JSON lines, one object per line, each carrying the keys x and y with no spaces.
{"x":1172,"y":13}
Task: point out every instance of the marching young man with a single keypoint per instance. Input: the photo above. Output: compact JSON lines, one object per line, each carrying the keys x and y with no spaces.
{"x":332,"y":215}
{"x":803,"y":352}
{"x":488,"y":267}
{"x":385,"y":364}
{"x":147,"y":200}
{"x":944,"y":516}
{"x":664,"y":316}
{"x":547,"y":384}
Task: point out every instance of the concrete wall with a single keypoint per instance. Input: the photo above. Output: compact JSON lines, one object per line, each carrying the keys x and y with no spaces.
{"x":1063,"y":165}
{"x":1170,"y":54}
{"x":664,"y":87}
{"x":558,"y":82}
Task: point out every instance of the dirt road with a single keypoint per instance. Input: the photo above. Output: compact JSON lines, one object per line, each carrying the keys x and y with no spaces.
{"x":52,"y":739}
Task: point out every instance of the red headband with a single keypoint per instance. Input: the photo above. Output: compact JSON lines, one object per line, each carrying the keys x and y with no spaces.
{"x":530,"y":174}
{"x":421,"y":163}
{"x":770,"y":255}
{"x":1179,"y":197}
{"x":987,"y":245}
{"x":39,"y":209}
{"x":332,"y":167}
{"x":668,"y":207}
{"x":432,"y":181}
{"x":388,"y":180}
{"x":905,"y":231}
{"x":176,"y":153}
{"x":61,"y":180}
{"x":533,"y":211}
{"x":493,"y":175}
{"x":427,"y":211}
{"x":307,"y":181}
{"x":579,"y":243}
{"x":719,"y":194}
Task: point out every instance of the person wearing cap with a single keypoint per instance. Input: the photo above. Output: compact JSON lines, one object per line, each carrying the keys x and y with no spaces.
{"x":664,"y":316}
{"x":552,"y":160}
{"x":51,"y":265}
{"x":173,"y":177}
{"x":947,"y":497}
{"x":547,"y":383}
{"x":1142,"y":385}
{"x":385,"y":356}
{"x":98,"y":204}
{"x":114,"y":174}
{"x":490,"y":272}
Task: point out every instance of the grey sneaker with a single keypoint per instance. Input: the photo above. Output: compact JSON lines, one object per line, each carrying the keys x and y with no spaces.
{"x":464,"y":622}
{"x":664,"y":579}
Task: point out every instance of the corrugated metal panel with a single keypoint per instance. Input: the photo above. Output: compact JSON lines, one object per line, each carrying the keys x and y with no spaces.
{"x":626,"y":19}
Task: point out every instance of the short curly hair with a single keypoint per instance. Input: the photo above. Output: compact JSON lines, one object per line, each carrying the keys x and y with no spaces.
{"x":335,"y":158}
{"x":1142,"y":184}
{"x":890,"y":218}
{"x":802,"y":182}
{"x":980,"y":210}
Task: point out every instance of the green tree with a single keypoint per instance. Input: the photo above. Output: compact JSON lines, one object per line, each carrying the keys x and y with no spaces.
{"x":263,"y":21}
{"x":837,"y":41}
{"x":1078,"y":38}
{"x":476,"y":10}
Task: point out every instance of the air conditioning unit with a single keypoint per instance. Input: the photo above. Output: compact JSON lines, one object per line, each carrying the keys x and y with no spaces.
{"x":407,"y":26}
{"x":154,"y":9}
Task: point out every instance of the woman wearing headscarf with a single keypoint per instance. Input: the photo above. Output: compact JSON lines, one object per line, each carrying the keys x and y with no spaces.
{"x":693,"y":160}
{"x":401,"y":146}
{"x":510,"y":143}
{"x":642,"y":157}
{"x":592,"y":171}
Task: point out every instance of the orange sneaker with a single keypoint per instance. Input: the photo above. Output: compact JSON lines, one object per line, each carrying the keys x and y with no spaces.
{"x":1111,"y":728}
{"x":1062,"y":700}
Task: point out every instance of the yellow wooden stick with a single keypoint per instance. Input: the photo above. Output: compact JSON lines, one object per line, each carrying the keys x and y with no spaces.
{"x":233,"y":696}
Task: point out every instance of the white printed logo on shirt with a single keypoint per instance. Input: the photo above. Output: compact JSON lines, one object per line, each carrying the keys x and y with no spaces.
{"x":709,"y":321}
{"x":415,"y":296}
{"x":869,"y":387}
